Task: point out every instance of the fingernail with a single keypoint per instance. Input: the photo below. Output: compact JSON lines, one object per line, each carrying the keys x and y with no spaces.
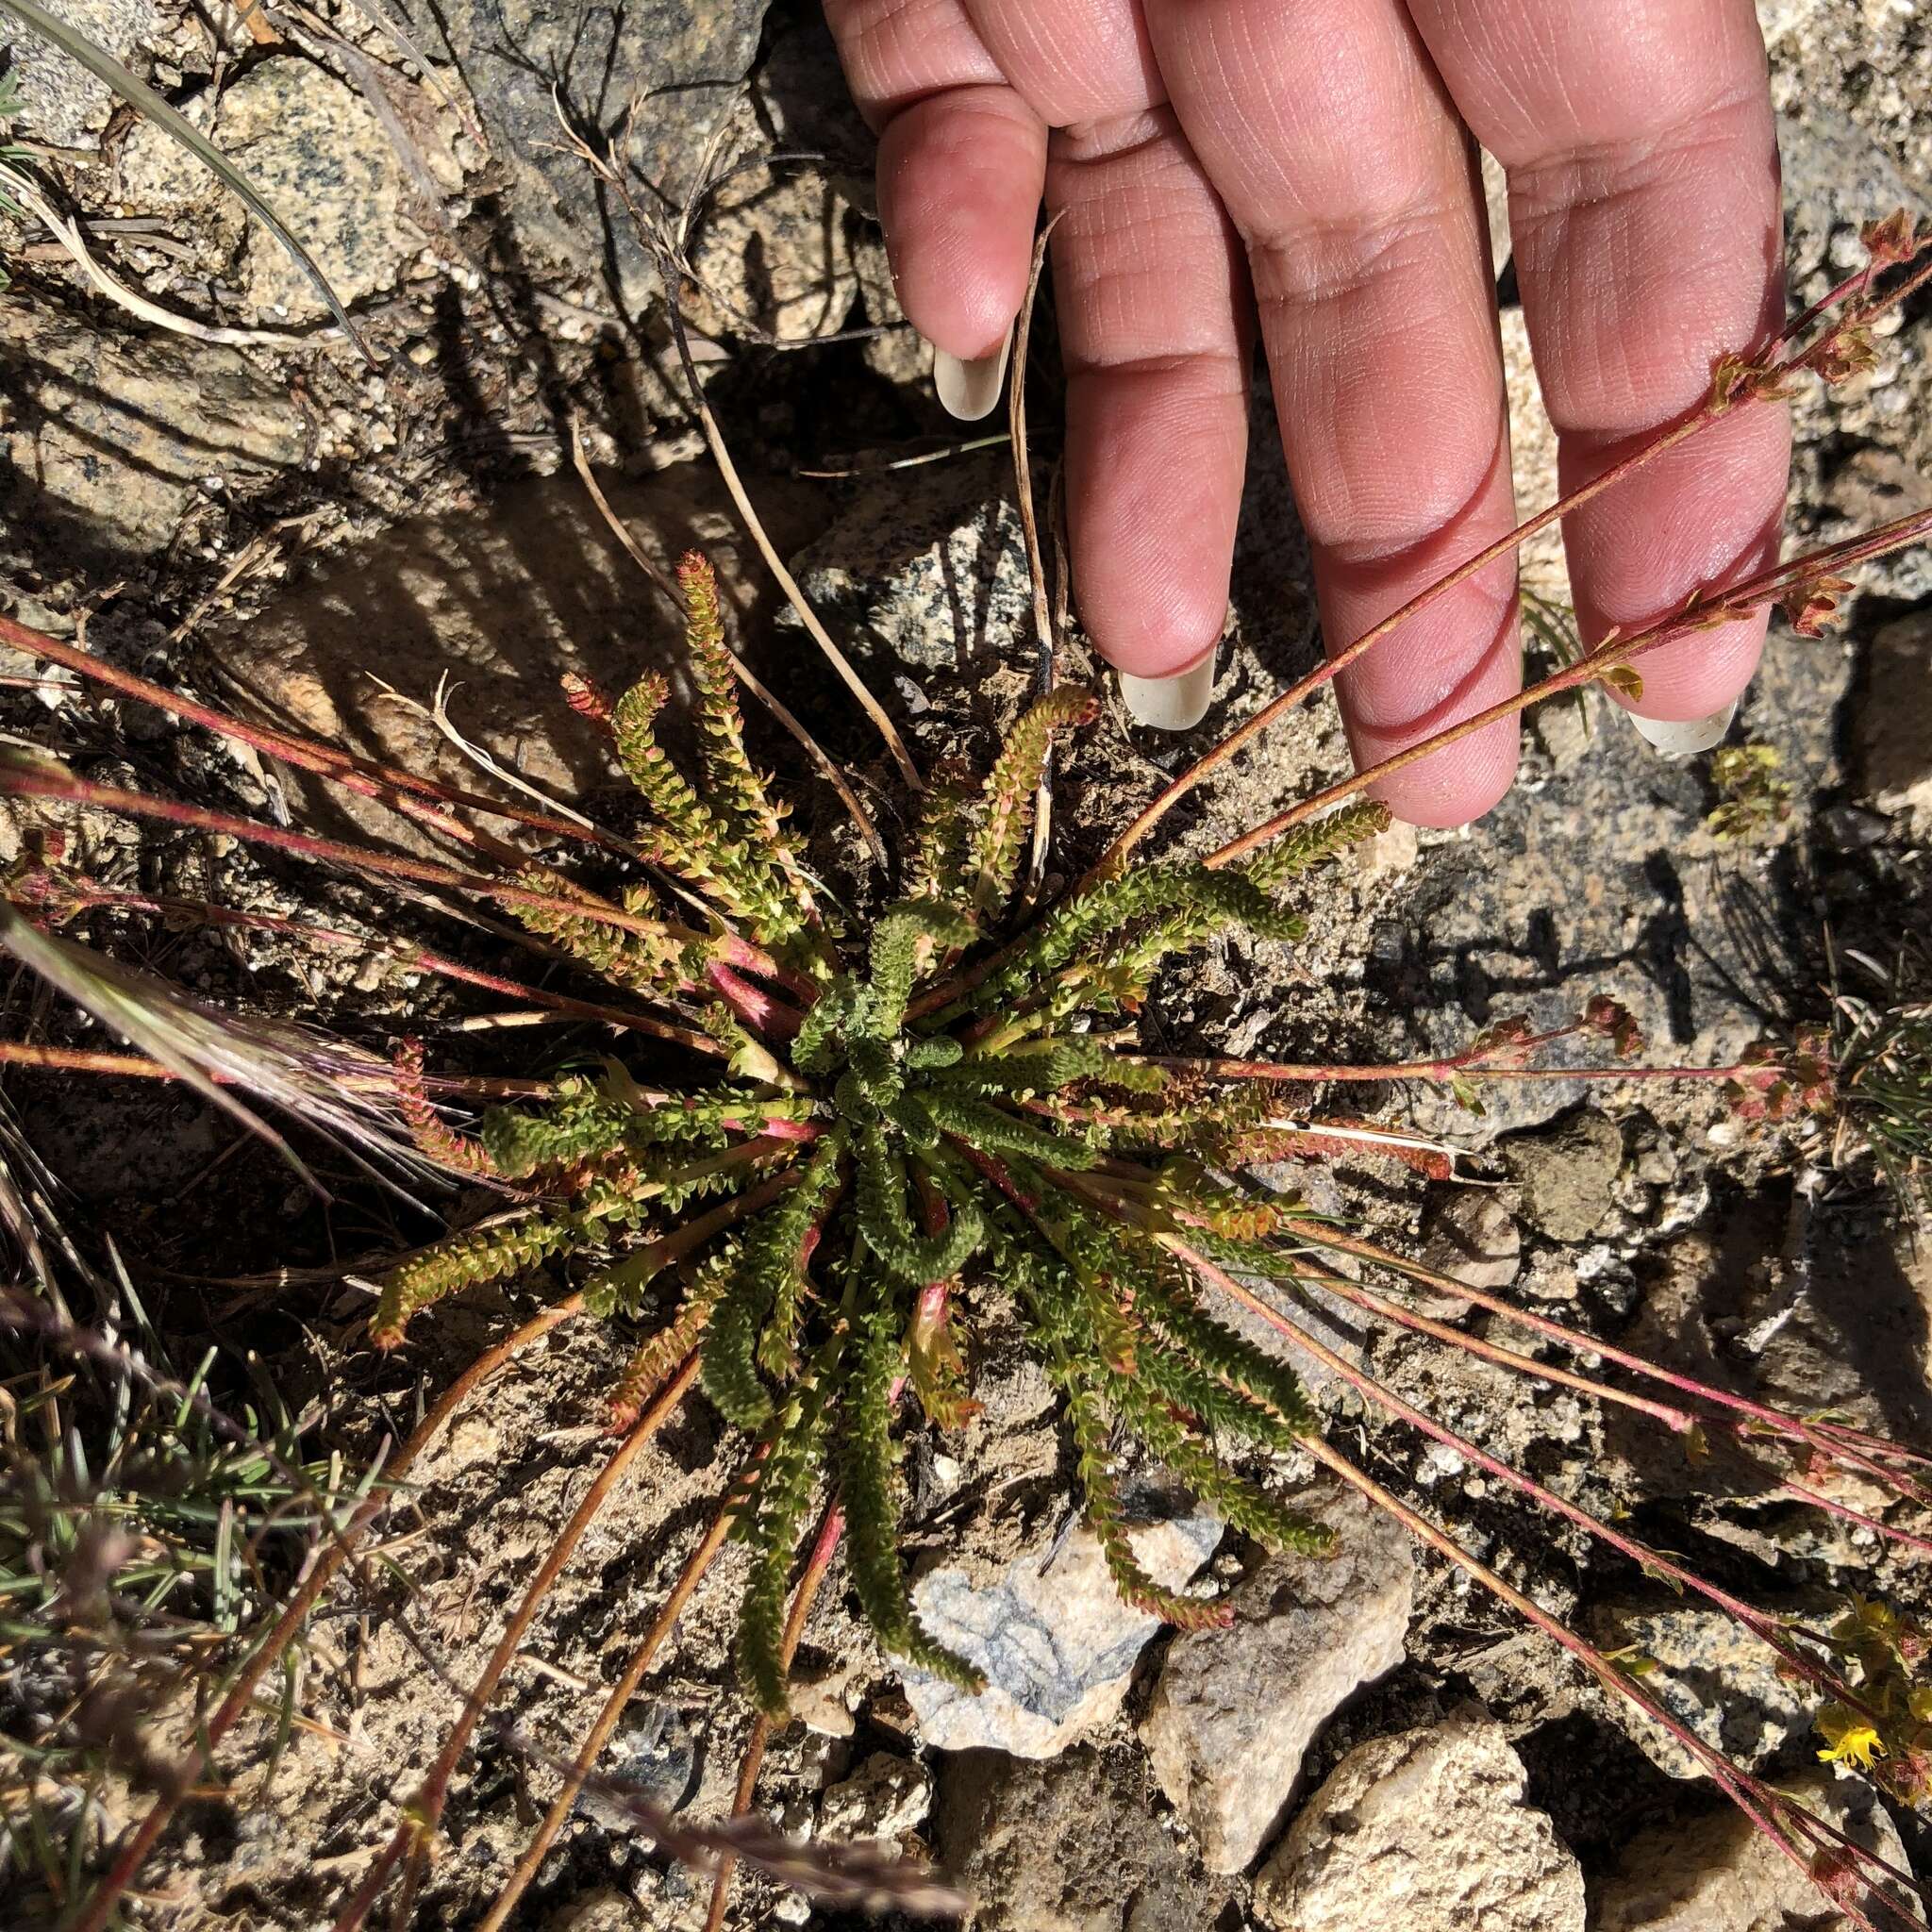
{"x":1679,"y":737}
{"x":1171,"y":703}
{"x":971,"y":390}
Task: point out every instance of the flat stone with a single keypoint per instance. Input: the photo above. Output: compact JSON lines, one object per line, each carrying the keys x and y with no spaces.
{"x":1721,"y":1874}
{"x":1426,"y":1831}
{"x":1235,"y":1710}
{"x":1056,"y":1642}
{"x":1567,"y":1174}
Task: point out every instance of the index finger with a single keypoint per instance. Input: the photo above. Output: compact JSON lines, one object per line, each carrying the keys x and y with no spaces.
{"x":1642,"y":153}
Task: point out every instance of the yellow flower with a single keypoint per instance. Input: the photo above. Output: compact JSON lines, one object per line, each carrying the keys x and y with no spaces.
{"x":1850,"y":1740}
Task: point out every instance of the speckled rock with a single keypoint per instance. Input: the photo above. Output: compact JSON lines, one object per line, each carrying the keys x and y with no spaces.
{"x":1711,"y":1676}
{"x":62,"y":102}
{"x":684,"y":65}
{"x":1567,"y":1174}
{"x":1426,"y":1831}
{"x":1072,"y":1846}
{"x":1721,"y":1874}
{"x":1235,"y":1710}
{"x":924,"y":570}
{"x":315,"y":149}
{"x":1056,"y":1642}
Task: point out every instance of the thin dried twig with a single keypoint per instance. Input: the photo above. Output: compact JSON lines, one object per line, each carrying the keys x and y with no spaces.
{"x":15,"y":185}
{"x":667,"y":248}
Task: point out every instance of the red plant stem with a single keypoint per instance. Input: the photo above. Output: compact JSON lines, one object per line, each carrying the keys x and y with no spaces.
{"x":1844,"y":1511}
{"x":759,"y":1010}
{"x":422,"y":1812}
{"x":40,"y":781}
{"x":1471,"y":1068}
{"x":1699,"y":419}
{"x":133,"y":1066}
{"x":1736,"y":602}
{"x":1750,"y":1794}
{"x":241,"y":1697}
{"x":408,"y":958}
{"x":363,"y":775}
{"x":830,"y":1530}
{"x":697,"y":1564}
{"x":1747,"y":1615}
{"x":1851,"y":1446}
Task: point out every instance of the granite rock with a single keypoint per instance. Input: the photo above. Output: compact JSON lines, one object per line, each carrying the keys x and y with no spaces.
{"x":925,"y":572}
{"x":62,"y":102}
{"x":314,"y":148}
{"x":1713,"y":1677}
{"x":527,"y":60}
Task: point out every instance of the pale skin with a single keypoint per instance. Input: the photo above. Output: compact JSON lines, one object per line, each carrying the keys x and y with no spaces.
{"x":1307,"y":166}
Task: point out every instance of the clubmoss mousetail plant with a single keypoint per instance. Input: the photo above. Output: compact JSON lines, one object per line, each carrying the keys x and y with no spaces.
{"x":878,"y":1123}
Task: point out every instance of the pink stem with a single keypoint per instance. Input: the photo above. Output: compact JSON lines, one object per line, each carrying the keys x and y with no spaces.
{"x":761,"y":1011}
{"x":1738,"y":601}
{"x":1774,"y":1421}
{"x":1747,"y":1615}
{"x":362,"y":775}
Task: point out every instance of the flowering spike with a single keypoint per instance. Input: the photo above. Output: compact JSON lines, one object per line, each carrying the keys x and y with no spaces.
{"x":993,"y":856}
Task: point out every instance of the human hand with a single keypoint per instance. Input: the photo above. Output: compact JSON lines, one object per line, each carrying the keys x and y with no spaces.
{"x":1309,"y":163}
